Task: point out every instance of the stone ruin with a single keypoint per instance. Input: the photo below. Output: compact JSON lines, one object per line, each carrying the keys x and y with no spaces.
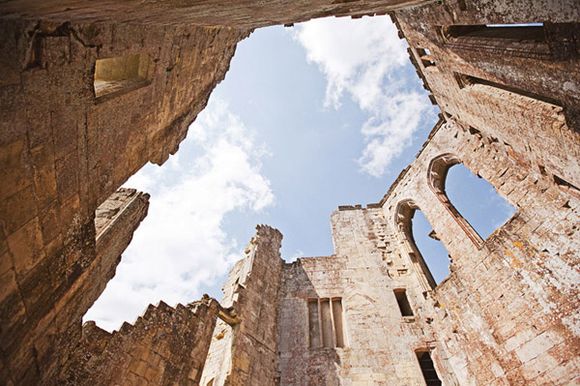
{"x":92,"y":91}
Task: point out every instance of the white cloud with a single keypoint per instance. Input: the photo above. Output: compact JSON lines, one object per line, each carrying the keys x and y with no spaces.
{"x":181,"y":244}
{"x":298,"y":253}
{"x":365,"y":59}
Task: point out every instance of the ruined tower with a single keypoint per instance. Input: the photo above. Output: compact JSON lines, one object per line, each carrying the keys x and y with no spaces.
{"x":90,"y":92}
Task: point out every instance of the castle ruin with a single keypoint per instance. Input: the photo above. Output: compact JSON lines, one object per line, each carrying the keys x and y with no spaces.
{"x":92,"y":91}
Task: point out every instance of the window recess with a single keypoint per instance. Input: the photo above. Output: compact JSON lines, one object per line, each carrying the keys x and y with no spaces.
{"x":118,"y":75}
{"x":426,"y":57}
{"x":325,"y":323}
{"x":403,"y":302}
{"x":428,"y":369}
{"x":465,"y":81}
{"x":521,"y":40}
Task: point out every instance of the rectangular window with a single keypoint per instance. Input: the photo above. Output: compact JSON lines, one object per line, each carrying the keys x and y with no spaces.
{"x":426,"y":57}
{"x":325,"y":323}
{"x":118,"y":75}
{"x":428,"y":369}
{"x":521,"y":40}
{"x":403,"y":302}
{"x":531,"y":31}
{"x":313,"y":323}
{"x":337,"y":315}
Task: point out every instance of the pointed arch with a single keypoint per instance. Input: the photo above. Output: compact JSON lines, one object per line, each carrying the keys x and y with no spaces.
{"x":436,"y":177}
{"x":404,"y":213}
{"x":486,"y":211}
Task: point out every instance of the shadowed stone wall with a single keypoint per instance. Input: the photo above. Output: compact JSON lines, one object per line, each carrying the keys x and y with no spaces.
{"x":64,"y":151}
{"x":41,"y":312}
{"x":522,"y":87}
{"x":243,"y":14}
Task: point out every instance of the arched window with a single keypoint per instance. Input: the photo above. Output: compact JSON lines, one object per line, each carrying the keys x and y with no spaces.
{"x":427,"y":253}
{"x":434,"y":252}
{"x":462,"y":192}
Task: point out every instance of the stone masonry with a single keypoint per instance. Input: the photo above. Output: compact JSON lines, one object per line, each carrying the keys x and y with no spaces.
{"x":165,"y":346}
{"x":92,"y":91}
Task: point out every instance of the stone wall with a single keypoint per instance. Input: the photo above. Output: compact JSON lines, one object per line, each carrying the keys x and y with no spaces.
{"x":64,"y":151}
{"x":380,"y":343}
{"x":165,"y":346}
{"x":247,"y":351}
{"x":243,"y":14}
{"x":41,"y":313}
{"x":65,"y":148}
{"x":500,"y":82}
{"x":509,"y":310}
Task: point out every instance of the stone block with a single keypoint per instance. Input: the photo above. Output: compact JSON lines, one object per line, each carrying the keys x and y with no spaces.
{"x":14,"y":168}
{"x":45,"y":185}
{"x":26,"y":246}
{"x":18,"y":209}
{"x":67,"y":175}
{"x":537,"y":346}
{"x":8,"y":283}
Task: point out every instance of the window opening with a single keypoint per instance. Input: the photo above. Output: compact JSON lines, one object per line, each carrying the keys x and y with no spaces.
{"x":428,"y":255}
{"x":428,"y":369}
{"x":314,"y":324}
{"x":522,"y":40}
{"x":118,"y":75}
{"x":325,"y":323}
{"x":476,"y":200}
{"x":337,"y":315}
{"x":426,"y":57}
{"x":403,"y":302}
{"x":521,"y":31}
{"x":432,"y":250}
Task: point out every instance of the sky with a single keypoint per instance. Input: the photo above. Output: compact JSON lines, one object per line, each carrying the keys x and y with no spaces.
{"x":308,"y":118}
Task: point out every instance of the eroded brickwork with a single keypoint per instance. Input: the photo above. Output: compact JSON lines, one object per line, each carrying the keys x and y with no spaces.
{"x":495,"y":80}
{"x":41,"y":315}
{"x":245,"y":14}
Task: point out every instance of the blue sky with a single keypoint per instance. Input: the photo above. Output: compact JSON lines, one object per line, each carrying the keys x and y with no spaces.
{"x":308,"y":118}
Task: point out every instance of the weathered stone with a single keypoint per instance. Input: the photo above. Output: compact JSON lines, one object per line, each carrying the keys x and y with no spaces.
{"x":89,"y":93}
{"x":168,"y":347}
